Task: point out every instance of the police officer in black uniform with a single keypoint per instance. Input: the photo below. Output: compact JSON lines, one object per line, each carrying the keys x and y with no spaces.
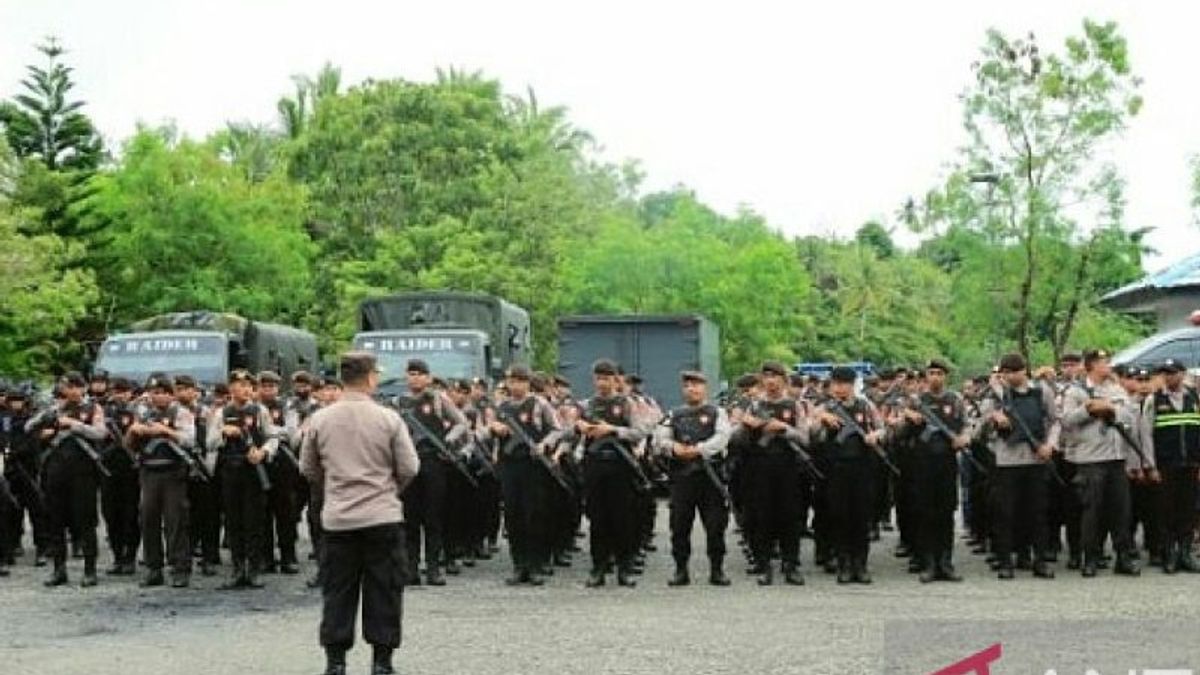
{"x":240,"y":439}
{"x":935,"y":467}
{"x":778,"y":489}
{"x":852,"y":471}
{"x":164,"y":439}
{"x":70,"y":429}
{"x":425,"y":499}
{"x":525,"y":482}
{"x":607,"y":431}
{"x":22,"y":472}
{"x":120,"y":493}
{"x":694,"y":437}
{"x":283,"y":513}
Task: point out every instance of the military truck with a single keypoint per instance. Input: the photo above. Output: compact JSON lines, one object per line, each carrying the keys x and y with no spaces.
{"x":206,"y":345}
{"x":657,"y":348}
{"x":460,"y":335}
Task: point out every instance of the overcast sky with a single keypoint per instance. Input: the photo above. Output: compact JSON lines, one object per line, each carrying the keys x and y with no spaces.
{"x":820,"y":118}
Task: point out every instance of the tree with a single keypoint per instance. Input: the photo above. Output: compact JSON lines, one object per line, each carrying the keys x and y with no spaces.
{"x":877,"y":237}
{"x":43,"y":289}
{"x":44,"y":124}
{"x":1036,"y":122}
{"x":184,"y":230}
{"x":294,"y":113}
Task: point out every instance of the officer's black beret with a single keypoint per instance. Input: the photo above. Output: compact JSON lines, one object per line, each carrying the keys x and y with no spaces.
{"x":1071,"y":357}
{"x":604,"y":367}
{"x":843,"y":374}
{"x":1093,"y":355}
{"x":185,"y":381}
{"x":1170,"y":366}
{"x":1122,"y":370}
{"x":159,"y":381}
{"x":74,"y":379}
{"x":241,"y":375}
{"x":746,"y":381}
{"x":773,"y":368}
{"x":938,"y":364}
{"x":417,"y":366}
{"x":693,"y":376}
{"x":1011,"y":363}
{"x":561,"y":381}
{"x":303,"y":377}
{"x":99,"y":375}
{"x":121,"y":384}
{"x":269,"y":377}
{"x":519,"y":372}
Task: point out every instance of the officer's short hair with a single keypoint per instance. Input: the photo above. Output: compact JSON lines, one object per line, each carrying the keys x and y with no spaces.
{"x":356,"y":366}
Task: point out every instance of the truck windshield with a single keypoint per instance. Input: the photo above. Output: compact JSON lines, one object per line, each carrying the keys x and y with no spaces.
{"x":448,"y":356}
{"x":137,"y":356}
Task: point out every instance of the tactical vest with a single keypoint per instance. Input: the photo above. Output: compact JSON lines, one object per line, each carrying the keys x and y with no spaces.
{"x":612,"y":410}
{"x":525,"y":416}
{"x":852,"y":446}
{"x":119,"y":417}
{"x":783,"y":410}
{"x":426,"y":408}
{"x":945,"y":407}
{"x":161,"y":457}
{"x":84,"y":412}
{"x":1030,"y":407}
{"x":304,"y":407}
{"x":246,"y":418}
{"x":692,"y":425}
{"x":1176,"y":432}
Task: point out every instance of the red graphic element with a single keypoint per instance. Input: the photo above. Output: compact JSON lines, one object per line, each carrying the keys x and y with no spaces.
{"x":978,"y":663}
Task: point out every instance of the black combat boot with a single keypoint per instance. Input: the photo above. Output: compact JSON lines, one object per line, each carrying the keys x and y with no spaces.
{"x":681,"y":576}
{"x":625,"y":577}
{"x":716,"y":572}
{"x":89,"y":573}
{"x":250,"y":578}
{"x":39,"y":558}
{"x":844,"y":574}
{"x":792,"y":575}
{"x":519,"y":576}
{"x":917,"y":564}
{"x":596,"y":578}
{"x":181,"y":578}
{"x":1170,"y":558}
{"x":288,"y":564}
{"x":153,"y":579}
{"x":335,"y":661}
{"x":381,"y":661}
{"x":945,"y":568}
{"x":767,"y":575}
{"x":1043,"y":570}
{"x":1187,"y":562}
{"x":1074,"y":560}
{"x":562,"y":560}
{"x":861,"y":575}
{"x":452,"y":567}
{"x":930,"y":572}
{"x":206,"y":569}
{"x":1004,"y":568}
{"x":433,"y":576}
{"x":1089,"y":566}
{"x":237,"y":577}
{"x":902,"y":550}
{"x":1127,"y":566}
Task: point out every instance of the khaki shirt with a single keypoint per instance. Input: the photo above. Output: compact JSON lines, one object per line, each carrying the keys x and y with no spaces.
{"x":364,"y":456}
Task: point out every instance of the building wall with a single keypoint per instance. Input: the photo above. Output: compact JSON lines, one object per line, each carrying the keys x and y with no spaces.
{"x":1173,"y":311}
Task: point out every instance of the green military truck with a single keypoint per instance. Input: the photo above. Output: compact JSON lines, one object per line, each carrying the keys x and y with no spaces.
{"x":460,"y":335}
{"x":206,"y":345}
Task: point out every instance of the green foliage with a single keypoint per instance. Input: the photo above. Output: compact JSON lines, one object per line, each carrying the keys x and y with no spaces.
{"x":43,"y":293}
{"x":180,"y":229}
{"x":43,"y":124}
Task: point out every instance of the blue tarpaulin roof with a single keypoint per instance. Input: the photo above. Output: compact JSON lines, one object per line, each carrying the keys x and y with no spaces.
{"x":1183,"y":274}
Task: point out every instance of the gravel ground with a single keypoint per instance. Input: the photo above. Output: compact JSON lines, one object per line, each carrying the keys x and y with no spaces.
{"x":478,"y":625}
